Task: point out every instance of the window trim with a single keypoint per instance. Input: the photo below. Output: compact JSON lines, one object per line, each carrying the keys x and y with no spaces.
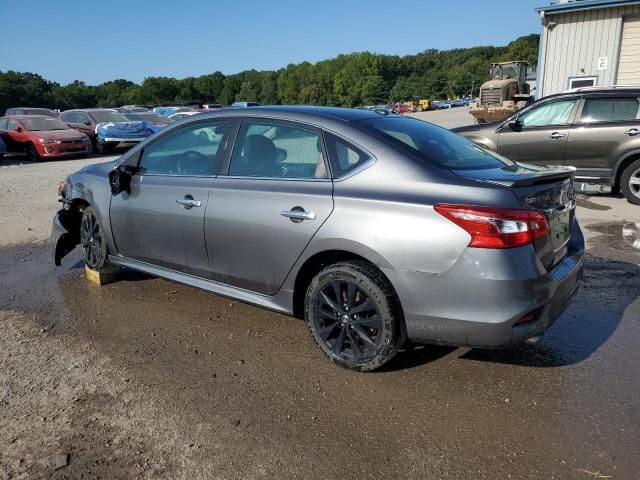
{"x":578,"y":117}
{"x":224,"y":172}
{"x":139,"y":152}
{"x":586,"y":77}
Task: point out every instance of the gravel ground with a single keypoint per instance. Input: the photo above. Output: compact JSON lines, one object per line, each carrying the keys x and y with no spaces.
{"x":144,"y":378}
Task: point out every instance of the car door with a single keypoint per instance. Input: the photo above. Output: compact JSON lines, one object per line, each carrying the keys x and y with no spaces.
{"x":541,"y":133}
{"x":4,"y":133}
{"x":598,"y":135}
{"x":161,"y":219}
{"x":17,"y":136}
{"x":274,"y":197}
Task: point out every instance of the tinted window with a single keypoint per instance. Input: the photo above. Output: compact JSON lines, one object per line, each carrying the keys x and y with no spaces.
{"x":433,"y":145}
{"x":344,"y":156}
{"x":277,"y":151}
{"x":12,"y":125}
{"x":82,"y":118}
{"x":191,"y":150}
{"x":609,"y":109}
{"x":553,"y":113}
{"x":70,"y":117}
{"x":3,"y":124}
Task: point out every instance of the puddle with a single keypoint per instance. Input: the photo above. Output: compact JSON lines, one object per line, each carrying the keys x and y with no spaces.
{"x":585,"y":202}
{"x":621,"y":236}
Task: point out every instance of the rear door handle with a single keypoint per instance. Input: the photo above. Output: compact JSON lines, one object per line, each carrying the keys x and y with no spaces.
{"x":188,"y":202}
{"x":556,"y":135}
{"x":632,"y":132}
{"x":298,"y":214}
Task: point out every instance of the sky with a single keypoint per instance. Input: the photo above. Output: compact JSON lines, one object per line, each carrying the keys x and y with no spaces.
{"x":96,"y":41}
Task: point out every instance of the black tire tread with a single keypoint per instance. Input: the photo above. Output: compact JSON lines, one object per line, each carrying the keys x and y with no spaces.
{"x":624,"y":182}
{"x":394,"y":319}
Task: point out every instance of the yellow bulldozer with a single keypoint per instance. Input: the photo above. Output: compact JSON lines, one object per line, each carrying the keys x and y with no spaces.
{"x":505,"y":93}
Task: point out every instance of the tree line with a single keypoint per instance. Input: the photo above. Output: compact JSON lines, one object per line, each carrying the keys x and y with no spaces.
{"x":348,"y":80}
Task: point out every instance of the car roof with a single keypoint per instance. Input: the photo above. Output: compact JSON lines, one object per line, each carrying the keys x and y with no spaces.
{"x":26,"y":117}
{"x":300,"y":111}
{"x":604,"y":91}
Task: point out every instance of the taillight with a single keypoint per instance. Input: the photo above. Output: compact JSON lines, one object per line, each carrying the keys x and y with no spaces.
{"x":497,"y":227}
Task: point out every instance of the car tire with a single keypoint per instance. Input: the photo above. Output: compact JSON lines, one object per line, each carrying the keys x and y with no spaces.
{"x":354,"y":315}
{"x":32,"y":153}
{"x":93,"y":241}
{"x":630,"y":182}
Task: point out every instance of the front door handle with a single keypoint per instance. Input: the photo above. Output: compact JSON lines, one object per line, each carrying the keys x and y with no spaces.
{"x":632,"y":132}
{"x":188,"y":202}
{"x":556,"y":135}
{"x":298,"y":214}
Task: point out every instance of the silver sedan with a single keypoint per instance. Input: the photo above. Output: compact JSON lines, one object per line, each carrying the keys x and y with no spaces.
{"x":374,"y":228}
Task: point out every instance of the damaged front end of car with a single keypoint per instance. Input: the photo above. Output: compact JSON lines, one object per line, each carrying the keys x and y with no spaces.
{"x":65,"y":231}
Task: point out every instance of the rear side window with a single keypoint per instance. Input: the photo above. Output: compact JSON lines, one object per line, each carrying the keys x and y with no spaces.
{"x":274,"y":150}
{"x":344,"y":156}
{"x":189,"y":151}
{"x":434,"y":145}
{"x":609,"y":109}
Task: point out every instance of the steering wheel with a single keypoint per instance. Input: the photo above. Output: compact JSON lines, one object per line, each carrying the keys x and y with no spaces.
{"x":192,"y":162}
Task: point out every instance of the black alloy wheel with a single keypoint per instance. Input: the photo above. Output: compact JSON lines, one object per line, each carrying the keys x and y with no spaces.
{"x":354,"y":316}
{"x":92,"y":241}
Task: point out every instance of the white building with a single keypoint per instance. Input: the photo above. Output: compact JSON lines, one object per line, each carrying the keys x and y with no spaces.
{"x":588,"y":43}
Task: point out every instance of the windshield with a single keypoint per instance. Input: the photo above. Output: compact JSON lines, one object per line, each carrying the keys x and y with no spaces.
{"x":434,"y":145}
{"x":43,"y":124}
{"x":107,"y":116}
{"x":150,"y":118}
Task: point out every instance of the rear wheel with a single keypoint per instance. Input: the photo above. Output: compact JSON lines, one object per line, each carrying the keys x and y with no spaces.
{"x":354,"y":316}
{"x":32,"y":153}
{"x":630,"y":182}
{"x":92,"y":241}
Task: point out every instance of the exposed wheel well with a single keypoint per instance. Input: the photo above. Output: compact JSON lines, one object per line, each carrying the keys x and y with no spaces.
{"x":77,"y":208}
{"x":625,"y":163}
{"x":312,"y":266}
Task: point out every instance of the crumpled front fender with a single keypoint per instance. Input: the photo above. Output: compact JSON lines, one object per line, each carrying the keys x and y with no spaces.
{"x":64,"y":234}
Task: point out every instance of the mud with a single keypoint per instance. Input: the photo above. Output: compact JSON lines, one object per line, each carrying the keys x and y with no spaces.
{"x":144,"y":378}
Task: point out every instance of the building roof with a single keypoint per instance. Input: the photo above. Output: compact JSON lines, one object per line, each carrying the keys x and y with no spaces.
{"x":575,"y":5}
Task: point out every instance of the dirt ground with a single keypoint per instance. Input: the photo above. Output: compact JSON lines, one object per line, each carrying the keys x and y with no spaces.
{"x":148,"y":379}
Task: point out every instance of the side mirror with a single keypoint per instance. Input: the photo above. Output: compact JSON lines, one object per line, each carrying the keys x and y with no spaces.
{"x":515,"y":125}
{"x":87,"y":123}
{"x":120,"y":180}
{"x":19,"y":129}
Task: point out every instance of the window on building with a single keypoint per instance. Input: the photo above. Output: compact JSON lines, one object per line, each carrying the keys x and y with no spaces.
{"x":582,"y":82}
{"x":609,"y":109}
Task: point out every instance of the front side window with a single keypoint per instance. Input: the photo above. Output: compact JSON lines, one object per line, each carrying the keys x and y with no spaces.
{"x":189,"y":151}
{"x":12,"y":125}
{"x":554,"y":113}
{"x":3,"y":124}
{"x":609,"y":109}
{"x":82,"y":118}
{"x":69,"y":117}
{"x":273,"y":150}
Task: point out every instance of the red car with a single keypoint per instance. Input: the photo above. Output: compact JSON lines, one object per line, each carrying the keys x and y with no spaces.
{"x":401,"y":108}
{"x":39,"y":136}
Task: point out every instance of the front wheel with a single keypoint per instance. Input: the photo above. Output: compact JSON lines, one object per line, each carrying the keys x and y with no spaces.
{"x":630,"y":182}
{"x":354,"y":316}
{"x":32,"y":153}
{"x":93,"y":241}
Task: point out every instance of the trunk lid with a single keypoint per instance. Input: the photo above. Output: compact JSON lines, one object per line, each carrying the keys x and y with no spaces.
{"x":547,"y":189}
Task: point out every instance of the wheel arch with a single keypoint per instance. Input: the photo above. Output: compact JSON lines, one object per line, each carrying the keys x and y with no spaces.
{"x":316,"y":262}
{"x":622,"y":164}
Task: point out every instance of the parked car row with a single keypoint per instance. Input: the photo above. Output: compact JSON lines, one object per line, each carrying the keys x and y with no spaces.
{"x":41,"y":133}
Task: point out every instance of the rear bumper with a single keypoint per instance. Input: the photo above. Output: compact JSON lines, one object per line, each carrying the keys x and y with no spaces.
{"x":479,"y":301}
